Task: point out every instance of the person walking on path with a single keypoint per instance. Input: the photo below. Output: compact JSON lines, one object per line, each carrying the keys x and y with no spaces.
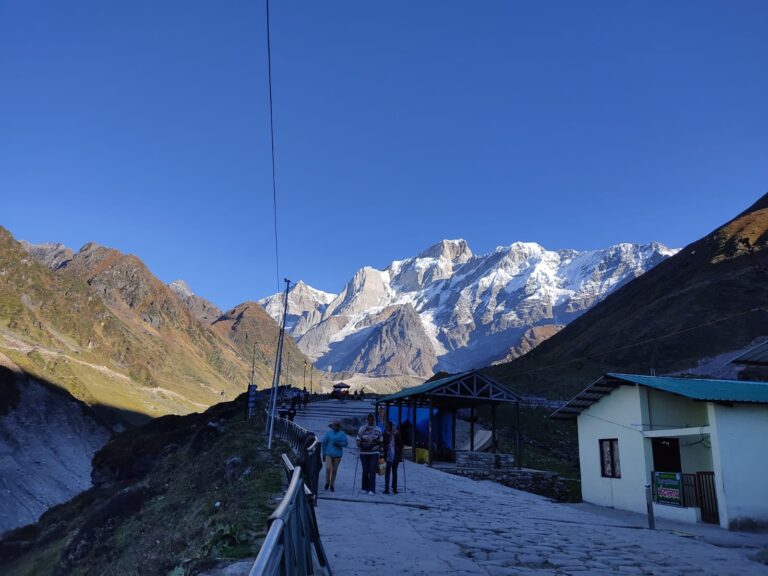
{"x":393,"y":454}
{"x":369,"y":443}
{"x":332,"y":449}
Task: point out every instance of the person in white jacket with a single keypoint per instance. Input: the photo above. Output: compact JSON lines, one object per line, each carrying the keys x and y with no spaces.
{"x":369,"y":443}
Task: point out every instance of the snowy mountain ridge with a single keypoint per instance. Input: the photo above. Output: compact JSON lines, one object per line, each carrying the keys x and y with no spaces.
{"x":450,"y":309}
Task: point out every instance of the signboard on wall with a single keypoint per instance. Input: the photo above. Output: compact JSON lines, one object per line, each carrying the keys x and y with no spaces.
{"x":668,"y":488}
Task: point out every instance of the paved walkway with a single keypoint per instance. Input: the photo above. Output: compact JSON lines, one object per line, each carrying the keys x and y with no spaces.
{"x":445,"y":524}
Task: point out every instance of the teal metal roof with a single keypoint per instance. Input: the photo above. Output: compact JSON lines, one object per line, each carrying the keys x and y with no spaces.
{"x":700,"y":389}
{"x":694,"y":388}
{"x":445,"y":387}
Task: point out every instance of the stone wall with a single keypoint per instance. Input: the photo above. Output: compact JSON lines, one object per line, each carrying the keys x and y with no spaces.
{"x":500,"y":468}
{"x":483,"y":460}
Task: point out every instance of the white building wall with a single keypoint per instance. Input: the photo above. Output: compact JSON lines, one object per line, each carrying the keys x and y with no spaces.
{"x":672,"y":411}
{"x":619,"y":415}
{"x":696,"y":454}
{"x":740,"y":455}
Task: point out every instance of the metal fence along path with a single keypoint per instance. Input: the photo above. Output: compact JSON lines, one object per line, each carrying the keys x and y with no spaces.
{"x":292,"y":546}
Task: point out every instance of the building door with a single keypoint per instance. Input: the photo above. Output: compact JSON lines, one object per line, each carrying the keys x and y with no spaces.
{"x":666,"y":454}
{"x":707,"y":495}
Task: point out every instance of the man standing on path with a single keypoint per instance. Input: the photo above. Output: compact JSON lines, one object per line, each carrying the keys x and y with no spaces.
{"x":393,"y":454}
{"x":369,"y":444}
{"x":332,"y":449}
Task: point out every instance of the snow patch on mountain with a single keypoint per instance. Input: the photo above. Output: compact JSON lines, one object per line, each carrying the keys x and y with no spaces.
{"x":464,"y":310}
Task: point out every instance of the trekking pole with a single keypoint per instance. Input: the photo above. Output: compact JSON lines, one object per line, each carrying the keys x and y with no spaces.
{"x":354,"y":478}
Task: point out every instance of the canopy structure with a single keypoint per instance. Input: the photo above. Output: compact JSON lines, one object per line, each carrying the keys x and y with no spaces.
{"x":341,"y":386}
{"x":757,"y":356}
{"x":430,"y":410}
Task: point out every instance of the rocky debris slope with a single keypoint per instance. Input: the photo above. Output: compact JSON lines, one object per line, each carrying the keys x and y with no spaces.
{"x":47,"y":440}
{"x":180,"y":495}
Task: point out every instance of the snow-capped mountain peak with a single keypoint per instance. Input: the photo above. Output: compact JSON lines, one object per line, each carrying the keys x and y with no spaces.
{"x":305,"y":307}
{"x":450,"y":309}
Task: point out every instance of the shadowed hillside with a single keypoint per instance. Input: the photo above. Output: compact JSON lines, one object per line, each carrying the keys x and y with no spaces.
{"x":175,"y":496}
{"x":708,"y":299}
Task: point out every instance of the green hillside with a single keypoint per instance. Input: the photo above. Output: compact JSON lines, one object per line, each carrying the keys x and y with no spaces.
{"x":708,"y":299}
{"x":114,"y":336}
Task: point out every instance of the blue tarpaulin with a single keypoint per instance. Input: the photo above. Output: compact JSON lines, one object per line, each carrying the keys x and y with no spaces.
{"x":442,"y":436}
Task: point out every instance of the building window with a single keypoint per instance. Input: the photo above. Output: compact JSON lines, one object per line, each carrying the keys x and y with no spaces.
{"x":609,"y":458}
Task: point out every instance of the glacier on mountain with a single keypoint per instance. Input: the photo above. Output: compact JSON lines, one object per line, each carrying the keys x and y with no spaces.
{"x":449,"y":309}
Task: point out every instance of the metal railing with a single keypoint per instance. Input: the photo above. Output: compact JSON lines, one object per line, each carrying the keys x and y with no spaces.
{"x":307,"y":449}
{"x":292,"y":528}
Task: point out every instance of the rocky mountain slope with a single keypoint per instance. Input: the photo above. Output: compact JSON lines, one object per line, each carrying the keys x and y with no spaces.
{"x":251,"y":329}
{"x":202,"y":309}
{"x":709,"y":299}
{"x":450,"y":309}
{"x":98,"y":326}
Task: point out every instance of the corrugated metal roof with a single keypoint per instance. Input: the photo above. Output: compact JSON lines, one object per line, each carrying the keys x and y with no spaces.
{"x":700,"y":389}
{"x":757,"y":355}
{"x":694,"y":388}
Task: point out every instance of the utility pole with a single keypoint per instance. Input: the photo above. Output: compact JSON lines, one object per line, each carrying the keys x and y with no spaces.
{"x":253,"y":364}
{"x":305,"y":374}
{"x":252,"y":384}
{"x":278,"y":363}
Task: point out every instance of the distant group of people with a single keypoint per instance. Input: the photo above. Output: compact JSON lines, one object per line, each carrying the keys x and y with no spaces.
{"x":377,"y":450}
{"x":296,"y":400}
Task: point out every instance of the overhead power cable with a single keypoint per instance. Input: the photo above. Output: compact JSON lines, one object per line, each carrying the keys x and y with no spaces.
{"x":272,"y":141}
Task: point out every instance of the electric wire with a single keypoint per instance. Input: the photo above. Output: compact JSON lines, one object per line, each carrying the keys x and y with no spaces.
{"x":272,"y":142}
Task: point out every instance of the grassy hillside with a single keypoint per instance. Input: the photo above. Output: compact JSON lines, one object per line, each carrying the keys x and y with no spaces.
{"x":708,"y":299}
{"x":247,"y":326}
{"x":106,"y":330}
{"x":175,"y":496}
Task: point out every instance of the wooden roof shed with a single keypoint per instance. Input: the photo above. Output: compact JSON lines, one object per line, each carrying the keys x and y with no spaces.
{"x":445,"y":396}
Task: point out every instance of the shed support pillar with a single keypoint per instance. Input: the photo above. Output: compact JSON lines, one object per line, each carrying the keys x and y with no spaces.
{"x":472,"y":429}
{"x":453,"y":430}
{"x":429,"y":443}
{"x":413,"y":430}
{"x":493,"y":429}
{"x":518,"y":446}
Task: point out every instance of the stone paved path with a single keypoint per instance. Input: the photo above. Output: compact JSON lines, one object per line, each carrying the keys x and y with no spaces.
{"x":445,"y":524}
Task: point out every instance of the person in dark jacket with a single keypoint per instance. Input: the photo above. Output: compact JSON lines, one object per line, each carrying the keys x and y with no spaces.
{"x":369,"y":444}
{"x":332,"y":450}
{"x":393,"y":454}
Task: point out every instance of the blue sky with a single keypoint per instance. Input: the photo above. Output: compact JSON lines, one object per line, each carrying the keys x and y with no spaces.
{"x":142,"y":125}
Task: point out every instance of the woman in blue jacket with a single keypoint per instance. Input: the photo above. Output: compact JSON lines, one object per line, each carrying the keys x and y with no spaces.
{"x":332,"y":449}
